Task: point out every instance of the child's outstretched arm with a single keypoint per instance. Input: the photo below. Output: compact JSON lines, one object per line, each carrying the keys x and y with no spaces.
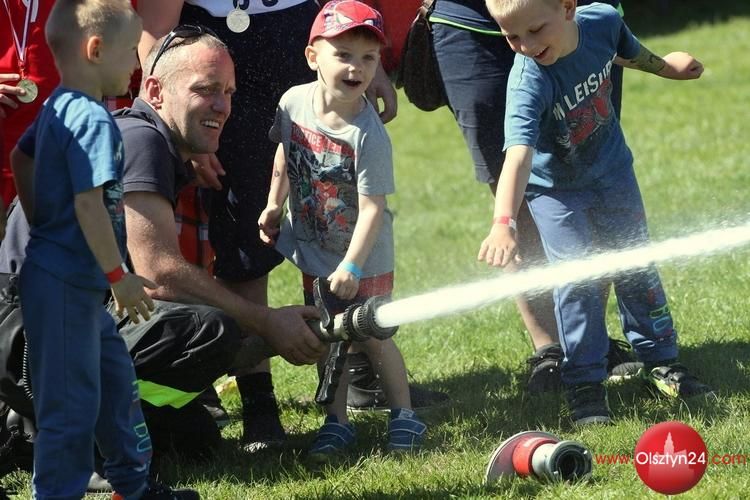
{"x":675,"y":65}
{"x":499,"y":248}
{"x":96,"y":226}
{"x":344,"y":281}
{"x":270,"y":217}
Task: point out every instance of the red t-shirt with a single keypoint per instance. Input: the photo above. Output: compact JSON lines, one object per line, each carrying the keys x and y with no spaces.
{"x":40,"y":67}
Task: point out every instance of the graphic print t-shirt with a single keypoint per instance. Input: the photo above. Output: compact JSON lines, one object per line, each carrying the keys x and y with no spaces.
{"x":76,"y":147}
{"x":565,"y":110}
{"x":327,"y":169}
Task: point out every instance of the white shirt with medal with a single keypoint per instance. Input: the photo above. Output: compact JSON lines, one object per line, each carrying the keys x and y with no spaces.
{"x":20,"y":39}
{"x":238,"y":12}
{"x":222,"y":8}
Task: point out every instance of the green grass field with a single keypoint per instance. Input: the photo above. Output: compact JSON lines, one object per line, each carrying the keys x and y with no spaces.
{"x":691,"y":146}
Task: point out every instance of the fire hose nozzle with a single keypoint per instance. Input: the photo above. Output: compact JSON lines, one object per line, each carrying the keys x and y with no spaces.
{"x":540,"y":455}
{"x":357,"y":323}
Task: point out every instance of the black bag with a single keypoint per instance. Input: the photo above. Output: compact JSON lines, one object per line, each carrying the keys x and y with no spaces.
{"x":418,"y":71}
{"x":15,"y":388}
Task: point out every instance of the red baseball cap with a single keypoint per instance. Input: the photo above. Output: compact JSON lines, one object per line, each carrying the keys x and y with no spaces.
{"x":342,"y":15}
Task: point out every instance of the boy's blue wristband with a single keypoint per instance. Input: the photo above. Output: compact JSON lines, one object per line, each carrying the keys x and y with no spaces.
{"x":352,"y":268}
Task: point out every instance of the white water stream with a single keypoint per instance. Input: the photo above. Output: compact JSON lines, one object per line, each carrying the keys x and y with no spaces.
{"x":466,"y":297}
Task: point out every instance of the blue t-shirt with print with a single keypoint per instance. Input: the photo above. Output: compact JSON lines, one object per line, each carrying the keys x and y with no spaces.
{"x":564,"y":110}
{"x":77,"y":147}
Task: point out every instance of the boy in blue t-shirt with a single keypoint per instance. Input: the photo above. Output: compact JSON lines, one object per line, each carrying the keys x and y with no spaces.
{"x":565,"y":151}
{"x":83,"y":380}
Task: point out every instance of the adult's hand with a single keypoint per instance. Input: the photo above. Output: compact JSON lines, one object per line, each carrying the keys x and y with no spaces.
{"x":288,"y":334}
{"x":207,"y":169}
{"x":7,"y":90}
{"x":382,"y":88}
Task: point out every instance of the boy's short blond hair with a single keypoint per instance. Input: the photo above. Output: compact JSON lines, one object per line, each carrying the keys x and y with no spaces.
{"x":502,"y":8}
{"x":72,"y":20}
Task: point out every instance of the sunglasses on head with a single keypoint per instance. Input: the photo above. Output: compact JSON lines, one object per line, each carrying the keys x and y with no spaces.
{"x":183,"y":31}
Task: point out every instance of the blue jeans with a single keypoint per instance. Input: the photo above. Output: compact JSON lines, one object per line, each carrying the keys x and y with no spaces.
{"x":84,"y":388}
{"x":575,"y":224}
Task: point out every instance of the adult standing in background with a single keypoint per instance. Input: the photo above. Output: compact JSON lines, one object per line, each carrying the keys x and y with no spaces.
{"x":474,"y":60}
{"x":27,"y":77}
{"x":267,"y":39}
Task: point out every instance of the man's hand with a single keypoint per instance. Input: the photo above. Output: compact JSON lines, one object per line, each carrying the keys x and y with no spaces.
{"x":7,"y":90}
{"x":500,"y":247}
{"x":207,"y":169}
{"x":681,"y":66}
{"x":130,"y":296}
{"x":382,"y":88}
{"x":289,"y":335}
{"x":268,"y":224}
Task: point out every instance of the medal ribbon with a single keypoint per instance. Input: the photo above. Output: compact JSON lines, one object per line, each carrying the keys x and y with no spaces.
{"x":20,"y":44}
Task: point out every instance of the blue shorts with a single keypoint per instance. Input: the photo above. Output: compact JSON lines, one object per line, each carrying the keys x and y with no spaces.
{"x":269,"y":58}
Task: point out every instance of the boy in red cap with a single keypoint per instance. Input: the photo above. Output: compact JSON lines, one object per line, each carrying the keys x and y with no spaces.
{"x":334,"y":162}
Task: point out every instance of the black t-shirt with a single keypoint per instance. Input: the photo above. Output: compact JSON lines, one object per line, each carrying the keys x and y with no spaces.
{"x":152,"y":163}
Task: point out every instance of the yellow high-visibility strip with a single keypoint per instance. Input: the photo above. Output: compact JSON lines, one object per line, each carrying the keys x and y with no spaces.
{"x":161,"y":395}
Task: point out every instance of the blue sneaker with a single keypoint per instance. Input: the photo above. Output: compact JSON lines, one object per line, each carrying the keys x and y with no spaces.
{"x":405,"y":430}
{"x":332,"y":438}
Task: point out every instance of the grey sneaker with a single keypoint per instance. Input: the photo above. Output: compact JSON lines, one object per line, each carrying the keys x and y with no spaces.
{"x":588,"y":404}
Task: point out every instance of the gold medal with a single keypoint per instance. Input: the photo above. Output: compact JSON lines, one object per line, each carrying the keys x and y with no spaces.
{"x":238,"y":20}
{"x":32,"y":91}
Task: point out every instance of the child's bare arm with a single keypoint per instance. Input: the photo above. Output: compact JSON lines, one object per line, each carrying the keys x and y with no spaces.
{"x":499,"y":248}
{"x":344,"y":283}
{"x":675,"y":65}
{"x":96,"y":226}
{"x":270,"y":217}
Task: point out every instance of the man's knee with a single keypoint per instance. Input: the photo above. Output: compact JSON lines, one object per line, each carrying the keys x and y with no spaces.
{"x":186,"y":347}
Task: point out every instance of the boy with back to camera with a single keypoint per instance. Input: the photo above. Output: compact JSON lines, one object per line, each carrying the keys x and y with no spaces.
{"x":334,"y":162}
{"x":565,"y":151}
{"x":84,"y":384}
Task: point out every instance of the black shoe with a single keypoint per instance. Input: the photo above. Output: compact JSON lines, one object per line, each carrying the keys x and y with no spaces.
{"x":261,"y":425}
{"x":158,"y":491}
{"x":544,"y":368}
{"x":211,"y":401}
{"x":621,"y":364}
{"x":673,"y":380}
{"x":588,"y":404}
{"x":189,"y":431}
{"x":366,"y":394}
{"x":16,"y":443}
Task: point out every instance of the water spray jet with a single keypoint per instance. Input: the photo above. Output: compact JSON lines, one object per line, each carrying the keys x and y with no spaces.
{"x":379,"y":317}
{"x":471,"y":296}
